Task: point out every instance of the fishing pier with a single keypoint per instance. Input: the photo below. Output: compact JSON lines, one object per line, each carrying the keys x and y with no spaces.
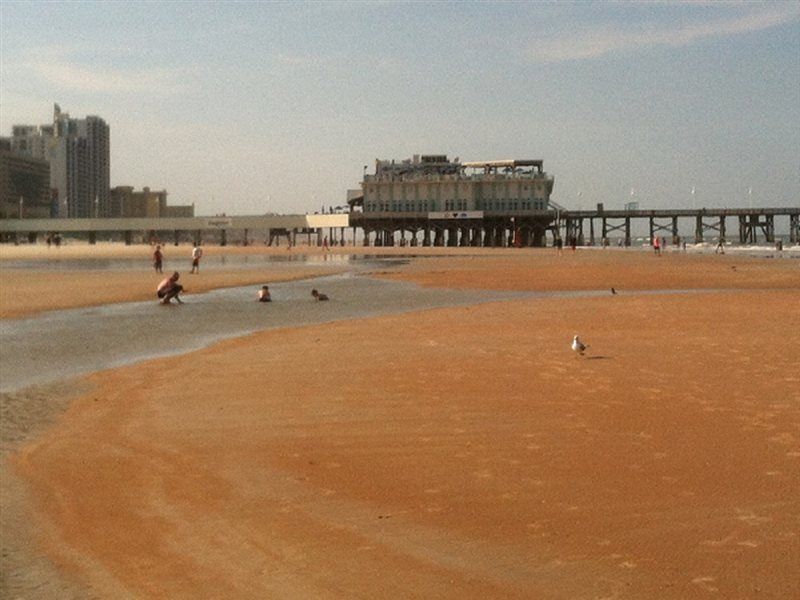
{"x":589,"y":227}
{"x":583,"y":227}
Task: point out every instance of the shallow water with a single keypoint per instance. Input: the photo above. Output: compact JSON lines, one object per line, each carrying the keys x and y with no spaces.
{"x":211,"y":262}
{"x":65,"y":343}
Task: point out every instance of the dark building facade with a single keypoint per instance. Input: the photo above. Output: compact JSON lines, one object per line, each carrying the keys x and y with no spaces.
{"x":24,"y":187}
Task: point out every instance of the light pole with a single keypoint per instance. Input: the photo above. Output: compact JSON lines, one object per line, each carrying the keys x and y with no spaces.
{"x":750,"y":197}
{"x":21,"y":204}
{"x":692,"y":197}
{"x":96,"y":207}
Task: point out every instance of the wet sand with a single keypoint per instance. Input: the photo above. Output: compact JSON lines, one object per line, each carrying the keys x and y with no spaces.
{"x":452,"y":452}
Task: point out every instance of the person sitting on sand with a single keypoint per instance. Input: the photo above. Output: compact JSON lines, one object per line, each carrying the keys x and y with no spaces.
{"x":169,"y":288}
{"x":263,"y":294}
{"x":318,"y":296}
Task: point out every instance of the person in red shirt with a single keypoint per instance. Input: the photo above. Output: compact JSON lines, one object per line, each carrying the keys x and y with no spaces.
{"x":158,"y":258}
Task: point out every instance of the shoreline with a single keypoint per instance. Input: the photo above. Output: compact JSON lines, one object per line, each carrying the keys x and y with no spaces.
{"x":304,"y":428}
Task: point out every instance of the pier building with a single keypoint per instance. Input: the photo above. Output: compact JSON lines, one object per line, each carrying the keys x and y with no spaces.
{"x":433,"y":201}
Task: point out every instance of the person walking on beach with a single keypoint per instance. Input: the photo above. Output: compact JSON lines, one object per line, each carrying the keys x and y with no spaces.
{"x":197,"y":253}
{"x":169,"y":288}
{"x":158,"y":258}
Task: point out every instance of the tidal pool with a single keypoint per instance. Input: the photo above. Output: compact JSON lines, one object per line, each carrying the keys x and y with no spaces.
{"x":61,"y":344}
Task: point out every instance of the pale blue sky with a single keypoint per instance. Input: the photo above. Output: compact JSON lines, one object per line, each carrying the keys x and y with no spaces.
{"x":253,"y":107}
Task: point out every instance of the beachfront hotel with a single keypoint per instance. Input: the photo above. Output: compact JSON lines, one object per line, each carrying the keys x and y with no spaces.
{"x":441,"y":202}
{"x":78,"y":151}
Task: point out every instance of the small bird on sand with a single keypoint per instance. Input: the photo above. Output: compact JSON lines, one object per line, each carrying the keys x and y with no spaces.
{"x":318,"y":296}
{"x":578,"y":346}
{"x":613,"y":291}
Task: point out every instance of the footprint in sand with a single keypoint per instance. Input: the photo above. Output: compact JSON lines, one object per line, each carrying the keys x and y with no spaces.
{"x":705,"y":583}
{"x":784,"y":438}
{"x":751,"y":518}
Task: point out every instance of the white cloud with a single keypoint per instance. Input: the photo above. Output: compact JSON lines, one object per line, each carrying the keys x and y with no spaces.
{"x":73,"y":77}
{"x":592,"y":42}
{"x":303,"y":60}
{"x":57,"y":68}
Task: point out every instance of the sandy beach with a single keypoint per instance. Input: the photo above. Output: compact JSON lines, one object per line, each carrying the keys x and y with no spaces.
{"x":460,"y":452}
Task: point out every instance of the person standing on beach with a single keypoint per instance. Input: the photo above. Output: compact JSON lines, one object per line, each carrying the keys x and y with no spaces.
{"x":158,"y":258}
{"x":657,"y":246}
{"x":169,"y":288}
{"x":264,"y":295}
{"x":197,"y":252}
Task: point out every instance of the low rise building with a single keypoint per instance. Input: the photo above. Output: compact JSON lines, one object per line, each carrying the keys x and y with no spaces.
{"x":125,"y":202}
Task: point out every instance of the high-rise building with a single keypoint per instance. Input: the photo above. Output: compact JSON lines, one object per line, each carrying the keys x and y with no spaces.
{"x":78,"y":151}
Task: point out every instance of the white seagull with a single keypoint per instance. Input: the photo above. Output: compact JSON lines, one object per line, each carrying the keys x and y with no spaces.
{"x":578,"y":346}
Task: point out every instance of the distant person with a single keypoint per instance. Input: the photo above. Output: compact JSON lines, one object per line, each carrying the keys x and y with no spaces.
{"x":169,"y":288}
{"x":325,"y":243}
{"x":720,"y":249}
{"x":657,"y":246}
{"x":197,"y":253}
{"x":559,"y":244}
{"x":158,"y":259}
{"x":319,"y":297}
{"x":49,"y":240}
{"x":57,"y":240}
{"x":264,"y":295}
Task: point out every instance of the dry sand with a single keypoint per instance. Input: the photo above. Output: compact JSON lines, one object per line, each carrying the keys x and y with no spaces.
{"x":450,"y":453}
